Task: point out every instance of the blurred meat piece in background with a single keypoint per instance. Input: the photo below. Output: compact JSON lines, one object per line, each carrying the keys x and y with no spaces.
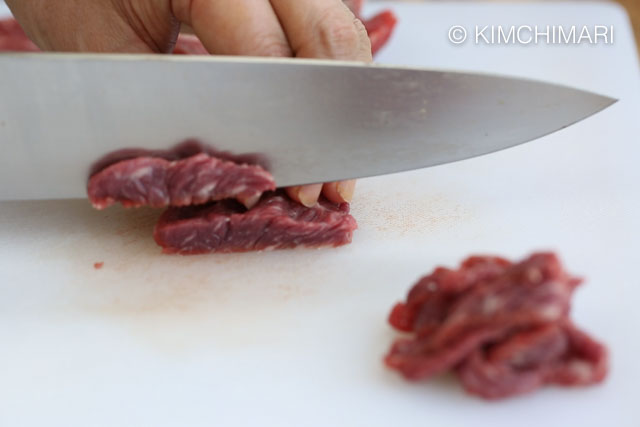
{"x":502,"y":327}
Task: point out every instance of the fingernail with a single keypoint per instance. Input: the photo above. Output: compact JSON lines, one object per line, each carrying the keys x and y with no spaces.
{"x":309,"y":194}
{"x":249,"y":201}
{"x":345,"y":189}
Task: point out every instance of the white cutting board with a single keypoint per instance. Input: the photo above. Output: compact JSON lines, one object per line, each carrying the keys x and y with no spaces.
{"x":297,"y":337}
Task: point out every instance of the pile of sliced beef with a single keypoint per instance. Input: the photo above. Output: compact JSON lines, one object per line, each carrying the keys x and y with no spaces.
{"x":215,"y":204}
{"x":503,"y":328}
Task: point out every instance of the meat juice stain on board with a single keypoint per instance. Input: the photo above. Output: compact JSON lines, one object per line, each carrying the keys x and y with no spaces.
{"x":402,"y":213}
{"x":242,"y":307}
{"x":141,"y":280}
{"x":156,"y":297}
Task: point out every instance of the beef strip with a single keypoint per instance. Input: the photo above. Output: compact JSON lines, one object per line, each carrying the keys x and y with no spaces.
{"x":380,"y":28}
{"x":502,"y":327}
{"x":550,"y":354}
{"x":276,"y":222}
{"x":158,"y":182}
{"x":180,"y":151}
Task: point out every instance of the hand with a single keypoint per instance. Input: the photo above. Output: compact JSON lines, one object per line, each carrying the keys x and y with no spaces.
{"x":300,"y":28}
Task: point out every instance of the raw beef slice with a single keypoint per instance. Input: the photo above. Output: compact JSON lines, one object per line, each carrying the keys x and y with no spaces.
{"x":380,"y":28}
{"x":158,"y":182}
{"x":502,"y":327}
{"x":276,"y":222}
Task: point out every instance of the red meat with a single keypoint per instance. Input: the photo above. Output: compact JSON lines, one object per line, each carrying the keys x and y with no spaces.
{"x":194,"y":180}
{"x":180,"y":151}
{"x":503,"y":327}
{"x":276,"y":222}
{"x":194,"y":224}
{"x":380,"y":28}
{"x":553,"y":353}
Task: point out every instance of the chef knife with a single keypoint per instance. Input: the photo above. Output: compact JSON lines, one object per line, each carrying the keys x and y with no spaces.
{"x":312,"y":120}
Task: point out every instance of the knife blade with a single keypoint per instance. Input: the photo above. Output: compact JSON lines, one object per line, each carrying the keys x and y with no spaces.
{"x":313,"y":120}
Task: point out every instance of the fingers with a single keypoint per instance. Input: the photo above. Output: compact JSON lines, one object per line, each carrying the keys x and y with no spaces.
{"x":336,"y":192}
{"x":234,"y":27}
{"x":309,"y":28}
{"x":339,"y":192}
{"x":305,"y":194}
{"x":323,"y":29}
